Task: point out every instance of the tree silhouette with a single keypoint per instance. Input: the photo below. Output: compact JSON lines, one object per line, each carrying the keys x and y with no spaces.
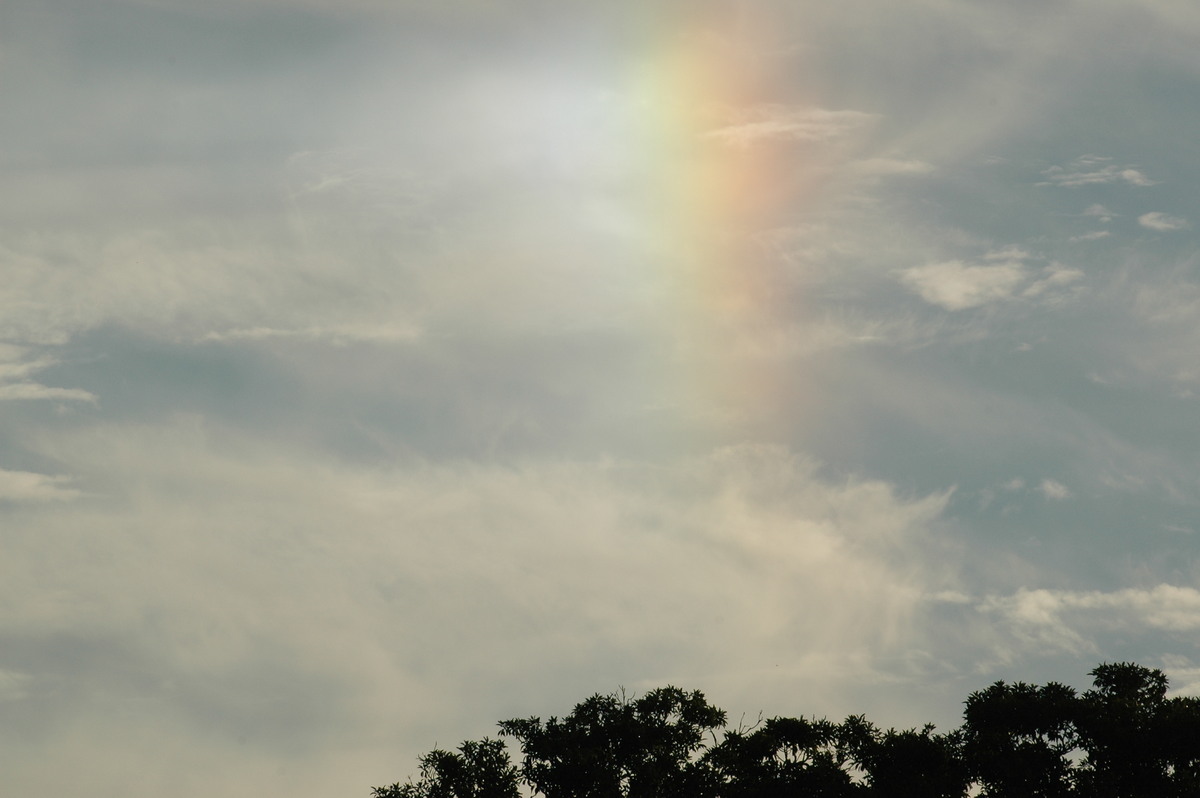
{"x":1017,"y":739}
{"x":914,"y":764}
{"x":793,"y":755}
{"x":1120,"y":727}
{"x":480,"y":769}
{"x":1123,"y":738}
{"x":612,"y":747}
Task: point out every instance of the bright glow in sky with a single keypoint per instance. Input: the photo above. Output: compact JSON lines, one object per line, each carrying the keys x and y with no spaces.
{"x":369,"y":374}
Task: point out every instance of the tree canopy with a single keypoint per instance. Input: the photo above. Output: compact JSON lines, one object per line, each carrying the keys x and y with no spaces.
{"x":1123,"y":738}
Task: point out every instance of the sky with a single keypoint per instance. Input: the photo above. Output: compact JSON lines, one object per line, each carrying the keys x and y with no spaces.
{"x":371,"y":372}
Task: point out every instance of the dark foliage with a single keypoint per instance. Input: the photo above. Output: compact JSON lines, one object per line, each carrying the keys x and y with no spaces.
{"x":611,"y":747}
{"x":478,"y":770}
{"x":792,"y":756}
{"x":1018,"y":739}
{"x":1123,"y":738}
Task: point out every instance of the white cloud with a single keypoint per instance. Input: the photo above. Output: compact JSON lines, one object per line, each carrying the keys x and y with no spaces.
{"x":33,"y":390}
{"x":229,"y":615}
{"x":1053,"y":276}
{"x":1136,"y":178}
{"x":26,"y":486}
{"x":1033,"y":616}
{"x":1095,"y":235}
{"x":1174,"y":302}
{"x":1009,"y":253}
{"x":1183,"y":673}
{"x":1162,"y":222}
{"x":341,"y":334}
{"x":13,"y":367}
{"x":951,"y":597}
{"x":13,"y":685}
{"x":954,"y":285}
{"x":303,"y":606}
{"x":1100,"y":212}
{"x":352,"y":260}
{"x":882,"y":167}
{"x":1054,"y":490}
{"x":1164,"y":342}
{"x":1074,"y":620}
{"x":16,"y":366}
{"x":1094,"y":170}
{"x":776,"y":122}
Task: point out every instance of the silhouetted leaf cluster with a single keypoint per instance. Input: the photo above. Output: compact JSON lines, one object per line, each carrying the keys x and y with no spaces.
{"x":1123,"y":738}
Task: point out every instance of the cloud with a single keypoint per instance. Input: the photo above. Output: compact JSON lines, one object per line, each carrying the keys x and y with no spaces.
{"x":32,"y":390}
{"x":16,"y":366}
{"x":1054,"y":490}
{"x":1165,"y":328}
{"x":1183,"y":673}
{"x":776,"y":122}
{"x":1053,"y":276}
{"x":25,"y":486}
{"x":1093,"y":170}
{"x":1135,"y":177}
{"x":1162,"y":222}
{"x":232,"y":591}
{"x":1009,"y":253}
{"x":1100,"y":212}
{"x":1095,"y":235}
{"x":958,"y":285}
{"x":13,"y":685}
{"x":334,"y":258}
{"x":338,"y":335}
{"x":1171,"y":302}
{"x":954,"y":285}
{"x":1074,"y":620}
{"x":884,"y":167}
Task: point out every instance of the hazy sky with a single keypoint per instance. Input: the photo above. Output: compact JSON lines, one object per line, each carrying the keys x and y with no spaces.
{"x":372,"y":371}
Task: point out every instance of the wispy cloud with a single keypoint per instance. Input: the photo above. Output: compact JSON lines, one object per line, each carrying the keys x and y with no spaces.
{"x":1072,"y":620}
{"x":32,"y":390}
{"x":15,"y":369}
{"x":1104,"y":215}
{"x":337,"y":335}
{"x":777,"y":122}
{"x":467,"y":397}
{"x":955,"y":285}
{"x":999,"y":275}
{"x":883,"y":167}
{"x":1165,"y":337}
{"x":13,"y":685}
{"x":26,"y":486}
{"x":1054,"y":490}
{"x":554,"y":570}
{"x":1053,"y":276}
{"x":1162,"y":222}
{"x":1009,"y":253}
{"x":1093,"y":170}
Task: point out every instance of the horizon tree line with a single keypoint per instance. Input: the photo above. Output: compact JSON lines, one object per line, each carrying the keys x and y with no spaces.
{"x":1122,"y":738}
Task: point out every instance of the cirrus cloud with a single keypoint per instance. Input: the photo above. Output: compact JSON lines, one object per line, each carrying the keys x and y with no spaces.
{"x":1090,"y":170}
{"x":775,"y":122}
{"x":1074,"y":620}
{"x":955,"y":285}
{"x":1162,"y":222}
{"x":26,"y":486}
